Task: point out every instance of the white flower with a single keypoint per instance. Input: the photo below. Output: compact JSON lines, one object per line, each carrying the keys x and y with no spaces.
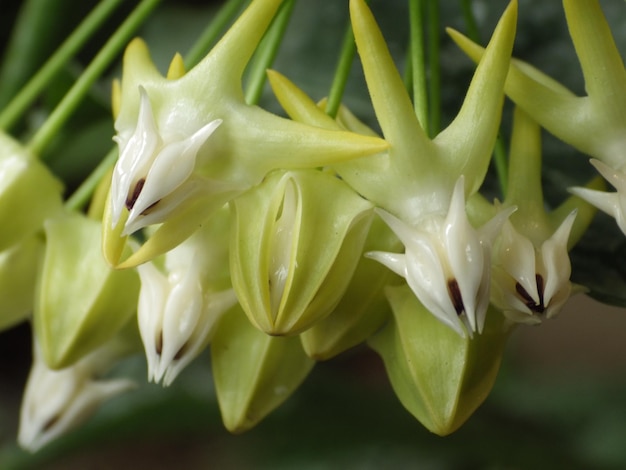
{"x":446,"y":263}
{"x":531,"y":284}
{"x":56,"y":401}
{"x":152,"y":167}
{"x":176,"y":312}
{"x":613,"y":203}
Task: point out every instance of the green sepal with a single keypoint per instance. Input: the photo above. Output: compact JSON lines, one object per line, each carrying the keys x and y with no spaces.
{"x":363,"y":309}
{"x":29,"y":193}
{"x":187,"y":219}
{"x":80,"y":301}
{"x":321,"y":250}
{"x":18,"y":272}
{"x":440,"y":377}
{"x":253,"y":373}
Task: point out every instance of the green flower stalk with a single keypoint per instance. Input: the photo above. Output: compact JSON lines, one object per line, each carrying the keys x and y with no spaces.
{"x":254,"y":373}
{"x":594,"y":124}
{"x":180,"y":304}
{"x":220,"y":145}
{"x":297,"y":238}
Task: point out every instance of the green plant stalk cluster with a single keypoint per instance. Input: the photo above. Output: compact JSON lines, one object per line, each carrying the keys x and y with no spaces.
{"x":280,"y":242}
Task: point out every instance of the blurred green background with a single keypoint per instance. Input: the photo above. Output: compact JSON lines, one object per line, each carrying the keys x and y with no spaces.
{"x":560,"y":399}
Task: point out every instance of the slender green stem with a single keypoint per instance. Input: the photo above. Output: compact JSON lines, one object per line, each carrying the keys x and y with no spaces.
{"x":266,"y":52}
{"x":224,"y":16}
{"x":501,"y":162}
{"x":470,"y":21}
{"x":64,"y":53}
{"x":500,"y":158}
{"x":418,"y":63}
{"x":407,"y":76}
{"x":348,"y":51}
{"x":71,"y":100}
{"x":32,"y":35}
{"x":434,"y":95}
{"x":81,"y":196}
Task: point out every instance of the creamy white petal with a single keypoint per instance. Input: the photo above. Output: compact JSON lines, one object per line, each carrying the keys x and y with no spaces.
{"x":152,"y":166}
{"x":135,"y":158}
{"x":557,"y":266}
{"x":171,"y":167}
{"x":612,"y":203}
{"x":447,"y":262}
{"x":152,"y":298}
{"x":57,"y":401}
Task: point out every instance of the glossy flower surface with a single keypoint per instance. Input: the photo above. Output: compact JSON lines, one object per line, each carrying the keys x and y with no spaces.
{"x":447,"y":263}
{"x":56,"y":401}
{"x":531,"y":284}
{"x":180,"y":304}
{"x":190,"y":143}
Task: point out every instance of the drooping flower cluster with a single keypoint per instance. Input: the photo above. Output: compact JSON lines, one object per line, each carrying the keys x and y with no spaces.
{"x":279,"y":242}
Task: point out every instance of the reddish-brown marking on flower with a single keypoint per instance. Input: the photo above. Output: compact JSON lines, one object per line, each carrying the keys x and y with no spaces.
{"x":455,"y":296}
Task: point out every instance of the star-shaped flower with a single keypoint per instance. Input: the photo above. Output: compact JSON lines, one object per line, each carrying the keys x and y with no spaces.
{"x":57,"y":401}
{"x":531,"y":265}
{"x":189,"y":142}
{"x":447,"y":263}
{"x":180,"y":304}
{"x":418,"y":180}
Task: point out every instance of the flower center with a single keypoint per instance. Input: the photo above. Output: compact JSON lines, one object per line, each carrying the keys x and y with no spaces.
{"x":528,"y":300}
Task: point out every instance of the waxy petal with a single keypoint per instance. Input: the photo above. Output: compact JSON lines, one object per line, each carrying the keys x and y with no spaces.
{"x":446,"y":263}
{"x":613,"y":203}
{"x":56,"y":401}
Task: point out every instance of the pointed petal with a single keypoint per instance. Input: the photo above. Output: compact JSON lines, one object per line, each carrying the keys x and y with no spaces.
{"x":391,"y":101}
{"x":601,"y":62}
{"x":176,"y":68}
{"x":297,"y":104}
{"x":136,"y":156}
{"x":186,"y":220}
{"x":138,"y":69}
{"x":605,"y":201}
{"x":468,"y":141}
{"x":394,"y":261}
{"x":553,"y":106}
{"x":517,"y":257}
{"x":217,"y":305}
{"x":152,"y":297}
{"x":233,"y":52}
{"x":263,"y":142}
{"x":465,"y":254}
{"x":586,"y":212}
{"x":170,"y":168}
{"x":556,"y":260}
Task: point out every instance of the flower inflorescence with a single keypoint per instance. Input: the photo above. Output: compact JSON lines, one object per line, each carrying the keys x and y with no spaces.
{"x":278,"y":241}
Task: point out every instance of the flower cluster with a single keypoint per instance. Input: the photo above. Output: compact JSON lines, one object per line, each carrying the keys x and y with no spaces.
{"x":278,"y":242}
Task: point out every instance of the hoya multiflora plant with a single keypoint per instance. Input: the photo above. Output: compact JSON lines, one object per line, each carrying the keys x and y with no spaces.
{"x":278,"y":242}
